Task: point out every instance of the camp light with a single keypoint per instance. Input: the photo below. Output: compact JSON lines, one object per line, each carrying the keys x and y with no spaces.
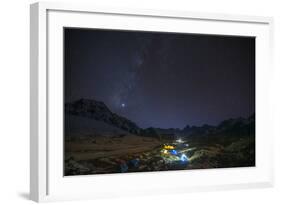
{"x":183,"y":158}
{"x":165,"y":151}
{"x":174,"y":152}
{"x":169,"y":147}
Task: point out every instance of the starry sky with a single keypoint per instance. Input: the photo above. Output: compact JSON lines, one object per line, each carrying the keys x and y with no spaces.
{"x":165,"y":80}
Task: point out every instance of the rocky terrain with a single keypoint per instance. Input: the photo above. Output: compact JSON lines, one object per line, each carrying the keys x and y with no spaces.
{"x":99,"y":111}
{"x":98,"y":141}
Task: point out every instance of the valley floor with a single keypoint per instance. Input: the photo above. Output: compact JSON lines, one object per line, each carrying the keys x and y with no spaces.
{"x":130,"y":153}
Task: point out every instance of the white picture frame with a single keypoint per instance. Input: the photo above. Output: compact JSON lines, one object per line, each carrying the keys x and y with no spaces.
{"x":47,"y":182}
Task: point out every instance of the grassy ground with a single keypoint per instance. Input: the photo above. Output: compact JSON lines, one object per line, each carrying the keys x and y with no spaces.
{"x":107,"y":146}
{"x":111,"y":154}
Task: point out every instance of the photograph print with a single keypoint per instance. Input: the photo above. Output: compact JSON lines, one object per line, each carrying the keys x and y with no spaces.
{"x":142,"y":101}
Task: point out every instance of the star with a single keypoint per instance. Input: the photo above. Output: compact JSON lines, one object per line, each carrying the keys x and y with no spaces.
{"x":123,"y":105}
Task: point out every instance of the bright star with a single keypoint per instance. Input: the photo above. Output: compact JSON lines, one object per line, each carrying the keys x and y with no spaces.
{"x":123,"y":105}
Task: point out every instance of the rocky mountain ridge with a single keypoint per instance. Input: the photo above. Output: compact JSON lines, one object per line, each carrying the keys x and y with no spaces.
{"x":99,"y":111}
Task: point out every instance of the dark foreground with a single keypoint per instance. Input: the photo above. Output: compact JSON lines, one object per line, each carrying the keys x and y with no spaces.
{"x":121,"y":154}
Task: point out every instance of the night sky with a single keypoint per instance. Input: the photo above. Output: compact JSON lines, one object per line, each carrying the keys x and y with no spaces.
{"x":164,"y":80}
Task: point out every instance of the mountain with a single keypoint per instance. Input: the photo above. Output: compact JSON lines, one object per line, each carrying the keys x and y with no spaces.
{"x":198,"y":130}
{"x":233,"y":126}
{"x":84,"y":126}
{"x":237,"y":127}
{"x":89,"y":115}
{"x":98,"y":111}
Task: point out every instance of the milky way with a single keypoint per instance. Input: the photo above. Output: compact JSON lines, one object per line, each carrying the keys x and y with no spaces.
{"x":162,"y":79}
